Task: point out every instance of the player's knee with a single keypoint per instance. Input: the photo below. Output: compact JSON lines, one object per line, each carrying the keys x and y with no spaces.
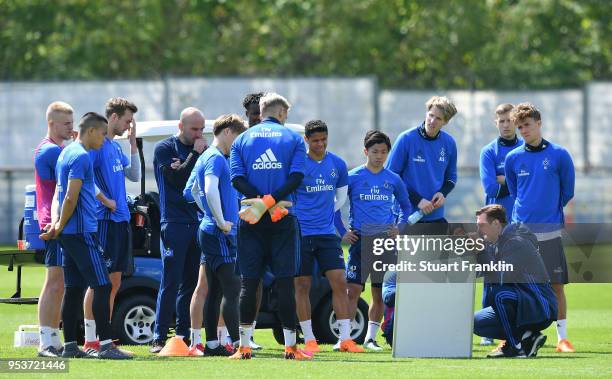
{"x":338,"y":284}
{"x":201,"y":291}
{"x":478,"y":327}
{"x":354,"y":292}
{"x":377,"y":298}
{"x":55,"y":288}
{"x":248,"y":287}
{"x":302,"y":286}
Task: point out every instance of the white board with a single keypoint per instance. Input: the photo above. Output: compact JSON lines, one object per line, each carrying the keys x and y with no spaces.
{"x":433,"y":320}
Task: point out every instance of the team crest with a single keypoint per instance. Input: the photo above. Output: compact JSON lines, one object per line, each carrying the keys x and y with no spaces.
{"x":333,"y":173}
{"x":546,"y":163}
{"x":387,"y":185}
{"x":442,"y":155}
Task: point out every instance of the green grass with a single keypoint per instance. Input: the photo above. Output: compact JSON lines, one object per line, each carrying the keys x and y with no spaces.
{"x":590,"y":330}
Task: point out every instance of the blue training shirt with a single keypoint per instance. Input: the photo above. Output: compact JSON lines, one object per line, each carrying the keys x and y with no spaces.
{"x":424,"y":164}
{"x":315,"y":197}
{"x":266,"y":154}
{"x":213,"y":162}
{"x":372,"y":197}
{"x":492,"y":163}
{"x":174,"y":207}
{"x":108,"y":164}
{"x":542,"y":180}
{"x":74,"y":163}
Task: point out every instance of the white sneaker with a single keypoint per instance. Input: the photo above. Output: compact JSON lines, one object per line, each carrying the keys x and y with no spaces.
{"x":484,"y":341}
{"x":254,"y":346}
{"x":372,"y":345}
{"x":337,"y":346}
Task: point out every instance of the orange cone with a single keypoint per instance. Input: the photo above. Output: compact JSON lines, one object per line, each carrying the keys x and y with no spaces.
{"x":175,"y":347}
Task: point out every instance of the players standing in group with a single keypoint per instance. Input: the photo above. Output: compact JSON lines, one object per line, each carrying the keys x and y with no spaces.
{"x":492,"y":176}
{"x":540,"y":175}
{"x":111,"y":167}
{"x":372,"y":190}
{"x":174,"y":158}
{"x":425,"y":157}
{"x":323,"y":191}
{"x":74,"y":224}
{"x":267,"y":166}
{"x":59,"y":129}
{"x":213,"y":192}
{"x":253,"y":114}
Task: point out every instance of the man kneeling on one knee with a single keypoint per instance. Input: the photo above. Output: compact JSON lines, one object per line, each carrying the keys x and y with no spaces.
{"x":523,"y":301}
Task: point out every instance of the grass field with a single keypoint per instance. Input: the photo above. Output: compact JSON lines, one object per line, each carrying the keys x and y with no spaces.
{"x":590,"y":330}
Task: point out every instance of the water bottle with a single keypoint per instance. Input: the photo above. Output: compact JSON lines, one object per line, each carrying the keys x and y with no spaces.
{"x":415,"y":217}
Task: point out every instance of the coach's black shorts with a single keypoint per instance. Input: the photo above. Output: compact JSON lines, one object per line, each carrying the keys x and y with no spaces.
{"x":217,"y":249}
{"x":361,"y":264}
{"x":325,"y":249}
{"x":85,"y":264}
{"x":115,"y":239}
{"x":53,"y":254}
{"x":267,"y":243}
{"x":553,"y":255}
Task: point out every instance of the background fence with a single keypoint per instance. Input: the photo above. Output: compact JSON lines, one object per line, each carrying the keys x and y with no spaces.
{"x":578,"y":119}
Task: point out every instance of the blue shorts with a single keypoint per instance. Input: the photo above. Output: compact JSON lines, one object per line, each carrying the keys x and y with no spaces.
{"x":361,"y":266}
{"x":53,"y":254}
{"x":115,"y":239}
{"x":327,"y":251}
{"x":217,"y":249}
{"x":267,"y":243}
{"x":84,"y":262}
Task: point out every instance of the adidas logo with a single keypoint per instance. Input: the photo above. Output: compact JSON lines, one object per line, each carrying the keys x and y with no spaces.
{"x":267,"y":161}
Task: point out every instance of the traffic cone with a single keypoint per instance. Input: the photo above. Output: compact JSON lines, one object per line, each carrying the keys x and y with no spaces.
{"x":175,"y":347}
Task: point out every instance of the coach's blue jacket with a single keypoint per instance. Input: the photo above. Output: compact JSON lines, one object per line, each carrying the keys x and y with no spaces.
{"x":516,"y":245}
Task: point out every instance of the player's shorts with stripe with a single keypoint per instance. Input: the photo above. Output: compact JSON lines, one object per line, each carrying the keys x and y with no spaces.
{"x":115,"y":239}
{"x":267,"y":243}
{"x":53,"y":254}
{"x":361,"y":262}
{"x":85,"y":264}
{"x":217,"y":249}
{"x":553,"y":255}
{"x":325,"y":249}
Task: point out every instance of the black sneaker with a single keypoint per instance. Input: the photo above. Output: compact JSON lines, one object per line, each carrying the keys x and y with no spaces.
{"x":533,"y":343}
{"x":91,"y":353}
{"x":157,"y":346}
{"x":74,"y":352}
{"x":111,"y":352}
{"x":219,"y":351}
{"x":508,"y":351}
{"x":50,"y":352}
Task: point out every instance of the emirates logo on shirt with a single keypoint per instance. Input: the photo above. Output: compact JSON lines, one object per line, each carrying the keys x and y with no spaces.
{"x":117,"y":167}
{"x":419,"y":157}
{"x":265,"y":133}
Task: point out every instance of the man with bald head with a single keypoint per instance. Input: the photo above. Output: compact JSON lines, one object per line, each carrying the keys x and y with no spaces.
{"x":173,"y":160}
